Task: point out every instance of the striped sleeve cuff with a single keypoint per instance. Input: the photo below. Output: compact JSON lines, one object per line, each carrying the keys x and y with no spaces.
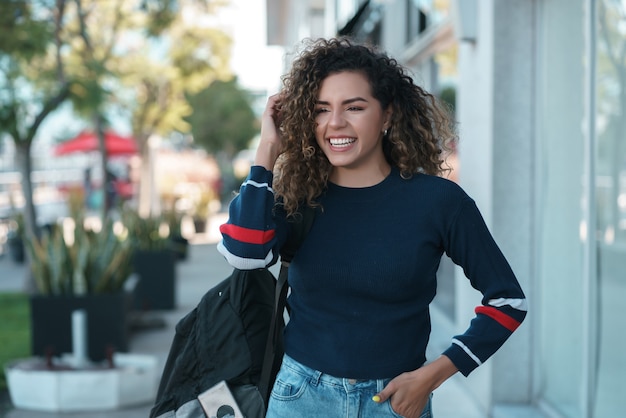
{"x":249,"y":235}
{"x":244,"y":263}
{"x":493,"y":325}
{"x":462,"y":357}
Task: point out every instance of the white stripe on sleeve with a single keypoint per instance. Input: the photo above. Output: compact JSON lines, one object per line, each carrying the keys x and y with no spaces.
{"x":519,"y":304}
{"x":258,"y":185}
{"x":242,"y":263}
{"x":467,"y":351}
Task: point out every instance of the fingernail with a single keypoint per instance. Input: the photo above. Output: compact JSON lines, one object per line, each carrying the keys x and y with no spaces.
{"x":376,"y":398}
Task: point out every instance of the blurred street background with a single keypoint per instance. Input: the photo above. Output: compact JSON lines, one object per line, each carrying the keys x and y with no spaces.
{"x":127,"y":125}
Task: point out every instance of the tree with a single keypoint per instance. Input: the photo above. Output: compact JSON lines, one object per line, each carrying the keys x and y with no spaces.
{"x":33,"y":81}
{"x":162,"y":72}
{"x":53,"y":50}
{"x":223,"y":118}
{"x":165,"y":54}
{"x":92,"y":72}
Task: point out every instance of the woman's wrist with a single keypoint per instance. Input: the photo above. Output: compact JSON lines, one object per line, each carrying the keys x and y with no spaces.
{"x":266,"y":155}
{"x":441,"y":370}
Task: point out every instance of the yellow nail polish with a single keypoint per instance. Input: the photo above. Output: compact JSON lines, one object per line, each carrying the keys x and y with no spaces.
{"x":376,"y":398}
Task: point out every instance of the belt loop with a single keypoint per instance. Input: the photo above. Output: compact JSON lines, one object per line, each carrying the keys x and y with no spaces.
{"x":380,"y":384}
{"x":315,"y":377}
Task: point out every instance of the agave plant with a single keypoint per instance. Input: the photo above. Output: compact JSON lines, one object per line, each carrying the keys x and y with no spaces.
{"x":174,"y":220}
{"x":95,"y":262}
{"x":151,"y":233}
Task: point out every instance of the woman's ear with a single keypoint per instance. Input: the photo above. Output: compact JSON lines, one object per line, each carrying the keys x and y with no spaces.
{"x":388,"y":113}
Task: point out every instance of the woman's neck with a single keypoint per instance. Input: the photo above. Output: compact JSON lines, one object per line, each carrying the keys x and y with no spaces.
{"x":360,"y":177}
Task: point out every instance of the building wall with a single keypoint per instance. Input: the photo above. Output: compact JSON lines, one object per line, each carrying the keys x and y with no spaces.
{"x":495,"y":94}
{"x":513,"y":145}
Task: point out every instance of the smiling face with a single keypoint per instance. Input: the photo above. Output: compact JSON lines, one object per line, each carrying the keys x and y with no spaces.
{"x":350,"y":124}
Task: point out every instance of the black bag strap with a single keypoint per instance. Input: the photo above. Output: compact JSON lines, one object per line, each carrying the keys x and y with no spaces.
{"x":300,"y":228}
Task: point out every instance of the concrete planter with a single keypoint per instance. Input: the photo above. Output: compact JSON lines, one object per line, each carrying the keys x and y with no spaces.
{"x":131,"y":381}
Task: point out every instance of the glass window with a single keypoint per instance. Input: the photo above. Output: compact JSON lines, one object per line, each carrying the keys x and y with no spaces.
{"x":560,"y":230}
{"x":610,"y":206}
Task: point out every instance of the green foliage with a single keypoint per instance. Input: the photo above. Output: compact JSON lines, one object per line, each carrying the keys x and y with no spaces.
{"x":223,"y":118}
{"x":95,"y":262}
{"x":448,"y":96}
{"x":22,"y":34}
{"x":161,"y":14}
{"x":146,"y":233}
{"x":190,"y":58}
{"x":87,"y":91}
{"x":22,"y":108}
{"x":14,"y":330}
{"x":92,"y":52}
{"x":202,"y":207}
{"x":174,"y":220}
{"x":32,"y":81}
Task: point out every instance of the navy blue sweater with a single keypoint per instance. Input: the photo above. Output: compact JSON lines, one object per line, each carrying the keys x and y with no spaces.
{"x":363,"y":279}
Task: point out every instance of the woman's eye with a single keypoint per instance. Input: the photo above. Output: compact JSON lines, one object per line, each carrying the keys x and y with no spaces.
{"x":355,"y":108}
{"x":321,"y":110}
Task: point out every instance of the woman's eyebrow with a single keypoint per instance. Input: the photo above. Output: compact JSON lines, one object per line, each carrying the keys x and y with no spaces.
{"x":347,"y":101}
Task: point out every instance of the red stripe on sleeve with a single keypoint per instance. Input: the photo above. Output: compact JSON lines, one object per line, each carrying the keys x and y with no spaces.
{"x":247,"y":235}
{"x":499,"y":316}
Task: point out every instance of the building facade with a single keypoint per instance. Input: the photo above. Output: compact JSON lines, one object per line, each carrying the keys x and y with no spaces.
{"x":539,"y":89}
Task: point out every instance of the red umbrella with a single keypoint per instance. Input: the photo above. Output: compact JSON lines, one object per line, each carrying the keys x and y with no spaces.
{"x":87,"y":141}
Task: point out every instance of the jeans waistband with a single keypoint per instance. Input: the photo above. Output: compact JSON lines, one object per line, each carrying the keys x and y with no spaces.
{"x":317,"y":377}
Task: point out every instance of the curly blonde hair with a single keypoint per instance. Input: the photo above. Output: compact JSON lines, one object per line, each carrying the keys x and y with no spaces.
{"x":421,"y":132}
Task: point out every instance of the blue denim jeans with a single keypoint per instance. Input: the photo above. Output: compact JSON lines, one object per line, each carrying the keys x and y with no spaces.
{"x":300,"y":391}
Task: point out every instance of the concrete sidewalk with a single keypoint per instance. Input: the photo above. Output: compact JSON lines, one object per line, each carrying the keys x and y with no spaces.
{"x":204,"y":268}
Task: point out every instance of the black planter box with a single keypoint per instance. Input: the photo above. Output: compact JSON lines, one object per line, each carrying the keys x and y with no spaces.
{"x":200,"y":225}
{"x":179,"y":246}
{"x":16,"y":249}
{"x":156,"y":288}
{"x":107,"y":323}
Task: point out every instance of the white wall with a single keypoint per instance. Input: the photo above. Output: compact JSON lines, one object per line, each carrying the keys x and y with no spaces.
{"x":496,"y":151}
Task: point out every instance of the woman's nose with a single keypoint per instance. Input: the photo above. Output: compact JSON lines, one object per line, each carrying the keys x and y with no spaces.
{"x":336,"y":119}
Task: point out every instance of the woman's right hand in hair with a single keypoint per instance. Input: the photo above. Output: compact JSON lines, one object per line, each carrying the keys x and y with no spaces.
{"x":270,"y":145}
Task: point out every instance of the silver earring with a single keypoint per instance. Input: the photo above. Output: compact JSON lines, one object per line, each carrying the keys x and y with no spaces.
{"x":385,"y":132}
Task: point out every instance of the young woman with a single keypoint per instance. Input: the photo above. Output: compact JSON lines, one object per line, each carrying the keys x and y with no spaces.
{"x":352,"y":135}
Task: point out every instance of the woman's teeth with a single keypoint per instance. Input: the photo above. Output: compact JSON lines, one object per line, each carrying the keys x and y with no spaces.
{"x":341,"y":142}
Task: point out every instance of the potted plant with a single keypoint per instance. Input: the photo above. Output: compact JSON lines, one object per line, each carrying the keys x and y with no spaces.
{"x":202,"y":210}
{"x":15,"y":238}
{"x":87,"y":270}
{"x":178,"y":244}
{"x":152,"y":261}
